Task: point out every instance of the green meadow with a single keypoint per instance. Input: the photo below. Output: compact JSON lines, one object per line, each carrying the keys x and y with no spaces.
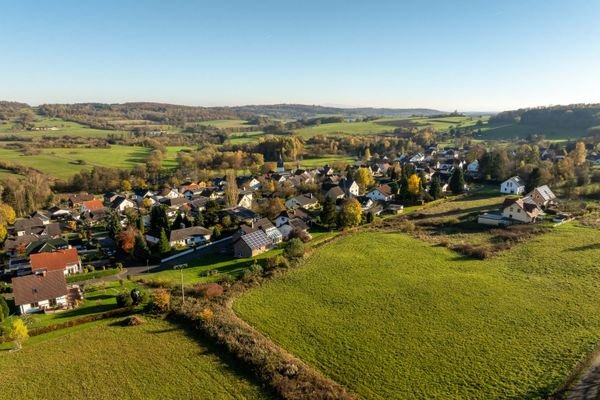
{"x":63,"y":163}
{"x":65,"y":128}
{"x":156,"y":360}
{"x":393,"y":317}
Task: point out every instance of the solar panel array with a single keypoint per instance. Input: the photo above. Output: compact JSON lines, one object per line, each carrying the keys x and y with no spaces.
{"x":256,"y":240}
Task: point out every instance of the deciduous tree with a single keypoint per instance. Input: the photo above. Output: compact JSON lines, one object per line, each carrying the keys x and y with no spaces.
{"x":350,"y":214}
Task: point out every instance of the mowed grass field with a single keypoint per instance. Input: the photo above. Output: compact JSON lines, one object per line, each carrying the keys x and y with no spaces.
{"x":392,"y":317}
{"x":63,"y":163}
{"x":155,"y":360}
{"x":65,"y":128}
{"x":386,"y":125}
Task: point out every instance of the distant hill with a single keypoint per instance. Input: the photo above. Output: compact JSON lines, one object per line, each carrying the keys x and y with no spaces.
{"x":300,"y":111}
{"x":572,"y":116}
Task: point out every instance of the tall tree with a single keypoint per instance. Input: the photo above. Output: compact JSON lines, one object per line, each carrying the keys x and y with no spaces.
{"x":435,"y":188}
{"x":231,"y":189}
{"x":127,"y":239}
{"x":328,"y":215}
{"x":364,"y":179}
{"x":163,"y":245}
{"x":159,"y":219}
{"x":414,"y":184}
{"x":533,"y":180}
{"x":350,"y":214}
{"x":113,"y":224}
{"x":579,"y":153}
{"x":457,"y":181}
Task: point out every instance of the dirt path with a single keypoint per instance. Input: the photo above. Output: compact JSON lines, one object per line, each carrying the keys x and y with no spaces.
{"x":588,"y":385}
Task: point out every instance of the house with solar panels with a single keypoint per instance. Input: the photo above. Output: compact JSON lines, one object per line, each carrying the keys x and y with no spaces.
{"x":252,"y":244}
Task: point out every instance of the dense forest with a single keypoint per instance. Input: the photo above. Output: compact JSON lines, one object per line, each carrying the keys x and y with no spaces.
{"x":575,"y":116}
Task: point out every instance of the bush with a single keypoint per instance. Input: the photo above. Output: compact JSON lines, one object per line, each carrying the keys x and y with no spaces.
{"x":208,"y":290}
{"x":124,"y":300}
{"x":133,"y":320}
{"x":161,"y":301}
{"x":276,"y":263}
{"x":294,"y":249}
{"x":206,"y":314}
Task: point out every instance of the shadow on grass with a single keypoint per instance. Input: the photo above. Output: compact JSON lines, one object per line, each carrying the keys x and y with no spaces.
{"x":595,"y":246}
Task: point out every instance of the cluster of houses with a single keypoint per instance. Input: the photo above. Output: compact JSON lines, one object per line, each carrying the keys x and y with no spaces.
{"x":39,"y":257}
{"x":522,"y":210}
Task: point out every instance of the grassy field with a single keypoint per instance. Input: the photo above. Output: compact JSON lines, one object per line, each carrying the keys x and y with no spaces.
{"x":198,"y":270}
{"x":65,"y":128}
{"x":155,"y":360}
{"x":322,"y":161}
{"x":226,"y":123}
{"x":63,"y":163}
{"x":386,"y":125}
{"x":390,"y":316}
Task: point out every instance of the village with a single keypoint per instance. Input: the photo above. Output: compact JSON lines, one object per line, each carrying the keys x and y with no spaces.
{"x":80,"y":234}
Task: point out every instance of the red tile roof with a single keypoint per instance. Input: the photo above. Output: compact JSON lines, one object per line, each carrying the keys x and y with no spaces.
{"x":93,"y":205}
{"x":55,"y":261}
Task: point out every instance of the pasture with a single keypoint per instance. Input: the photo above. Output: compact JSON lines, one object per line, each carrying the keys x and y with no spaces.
{"x":155,"y":360}
{"x":392,"y":317}
{"x":387,"y":126}
{"x":65,"y":128}
{"x":63,"y":163}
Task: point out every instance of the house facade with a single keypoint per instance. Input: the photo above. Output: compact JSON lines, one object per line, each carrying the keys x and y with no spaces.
{"x":252,"y":244}
{"x":514,"y":185}
{"x":40,"y":291}
{"x":67,"y":261}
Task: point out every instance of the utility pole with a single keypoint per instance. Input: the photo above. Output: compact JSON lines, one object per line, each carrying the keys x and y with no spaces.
{"x":180,"y":267}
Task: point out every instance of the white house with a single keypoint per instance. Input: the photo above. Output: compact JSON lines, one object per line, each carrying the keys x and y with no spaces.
{"x":245,"y":200}
{"x":193,"y":235}
{"x":381,"y":192}
{"x":514,"y":185}
{"x":520,"y":210}
{"x":121,"y":203}
{"x":40,"y":291}
{"x":306,"y":201}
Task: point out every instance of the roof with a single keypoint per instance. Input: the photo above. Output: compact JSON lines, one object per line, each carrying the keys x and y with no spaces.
{"x":263,"y":224}
{"x":306,"y":199}
{"x":78,"y":198}
{"x":46,"y":246}
{"x":181,"y":234}
{"x":516,"y":179}
{"x":27,"y":223}
{"x":57,"y":260}
{"x":38,"y":287}
{"x":385,"y":189}
{"x":545,"y":192}
{"x":335,"y":191}
{"x":256,"y":240}
{"x":93,"y":205}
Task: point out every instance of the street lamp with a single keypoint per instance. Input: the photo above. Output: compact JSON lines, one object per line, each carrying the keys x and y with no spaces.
{"x":180,"y":267}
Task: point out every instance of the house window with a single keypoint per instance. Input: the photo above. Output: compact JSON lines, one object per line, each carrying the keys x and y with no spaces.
{"x":34,"y":305}
{"x":518,"y":210}
{"x":52,"y":302}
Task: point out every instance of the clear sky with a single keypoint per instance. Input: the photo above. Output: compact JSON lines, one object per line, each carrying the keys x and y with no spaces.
{"x":466,"y":55}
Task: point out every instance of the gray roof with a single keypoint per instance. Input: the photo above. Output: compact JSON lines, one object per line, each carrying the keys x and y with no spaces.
{"x":181,"y":234}
{"x":545,"y":192}
{"x":38,"y":287}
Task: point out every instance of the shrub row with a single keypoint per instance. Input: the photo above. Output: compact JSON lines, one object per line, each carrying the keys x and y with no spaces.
{"x":289,"y":377}
{"x":74,"y":322}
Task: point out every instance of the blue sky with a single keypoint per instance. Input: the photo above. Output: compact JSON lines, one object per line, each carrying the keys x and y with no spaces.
{"x":465,"y":55}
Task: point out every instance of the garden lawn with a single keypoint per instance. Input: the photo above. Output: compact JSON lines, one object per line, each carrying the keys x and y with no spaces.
{"x":155,"y":360}
{"x":392,"y":317}
{"x":206,"y":269}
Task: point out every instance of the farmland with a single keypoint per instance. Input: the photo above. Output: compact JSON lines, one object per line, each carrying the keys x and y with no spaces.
{"x":108,"y":361}
{"x":386,"y":323}
{"x":65,"y":128}
{"x":63,"y":163}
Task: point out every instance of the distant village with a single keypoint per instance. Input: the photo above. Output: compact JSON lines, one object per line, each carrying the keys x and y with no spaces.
{"x":72,"y":237}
